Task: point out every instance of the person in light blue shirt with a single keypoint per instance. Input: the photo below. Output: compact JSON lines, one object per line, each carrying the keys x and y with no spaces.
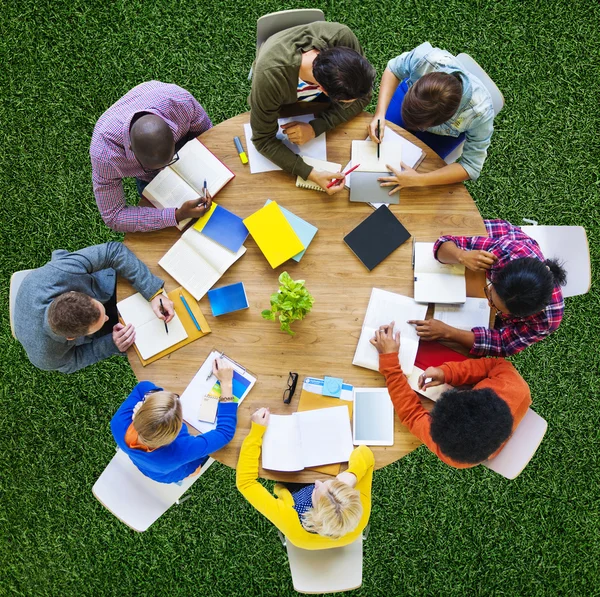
{"x":428,"y":92}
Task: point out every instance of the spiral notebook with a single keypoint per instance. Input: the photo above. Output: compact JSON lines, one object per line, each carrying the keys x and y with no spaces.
{"x":319,"y":165}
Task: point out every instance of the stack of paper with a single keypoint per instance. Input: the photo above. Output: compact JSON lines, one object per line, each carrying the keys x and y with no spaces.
{"x":273,"y":234}
{"x":305,"y":231}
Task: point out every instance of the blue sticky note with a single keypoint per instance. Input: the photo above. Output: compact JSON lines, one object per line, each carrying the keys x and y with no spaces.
{"x":304,"y":231}
{"x":332,"y":386}
{"x":226,"y":299}
{"x":226,"y":228}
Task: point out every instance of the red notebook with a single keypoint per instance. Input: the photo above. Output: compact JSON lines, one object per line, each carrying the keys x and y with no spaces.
{"x":433,"y":354}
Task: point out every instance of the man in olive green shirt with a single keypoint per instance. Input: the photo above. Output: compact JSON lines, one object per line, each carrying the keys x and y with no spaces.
{"x":299,"y":64}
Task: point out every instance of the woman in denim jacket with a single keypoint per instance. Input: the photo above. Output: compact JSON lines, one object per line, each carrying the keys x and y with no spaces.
{"x":428,"y":92}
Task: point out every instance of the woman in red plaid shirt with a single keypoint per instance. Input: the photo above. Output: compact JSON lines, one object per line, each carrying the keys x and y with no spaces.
{"x":522,"y":286}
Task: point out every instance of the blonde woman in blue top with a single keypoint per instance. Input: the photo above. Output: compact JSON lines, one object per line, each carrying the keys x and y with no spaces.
{"x":428,"y":92}
{"x":149,"y":428}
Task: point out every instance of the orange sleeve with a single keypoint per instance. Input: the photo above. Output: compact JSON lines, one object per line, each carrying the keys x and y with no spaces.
{"x":473,"y":371}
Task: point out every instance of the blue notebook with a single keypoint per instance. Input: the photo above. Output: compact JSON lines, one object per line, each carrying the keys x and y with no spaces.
{"x":227,"y":299}
{"x":226,"y":228}
{"x":305,"y":231}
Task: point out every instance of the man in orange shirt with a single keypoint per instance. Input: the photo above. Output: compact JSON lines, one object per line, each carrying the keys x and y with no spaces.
{"x":465,"y":427}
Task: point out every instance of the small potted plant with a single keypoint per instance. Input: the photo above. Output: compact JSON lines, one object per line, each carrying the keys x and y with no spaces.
{"x":291,"y":303}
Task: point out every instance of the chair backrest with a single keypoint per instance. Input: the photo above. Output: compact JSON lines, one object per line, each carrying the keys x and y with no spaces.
{"x":275,"y":22}
{"x":569,"y":245}
{"x":15,"y":283}
{"x":132,"y":497}
{"x":474,"y":68}
{"x":520,"y":448}
{"x":326,"y":570}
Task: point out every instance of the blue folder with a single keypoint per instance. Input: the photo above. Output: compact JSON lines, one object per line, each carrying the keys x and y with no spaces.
{"x":226,"y":299}
{"x":304,"y":231}
{"x":226,"y":228}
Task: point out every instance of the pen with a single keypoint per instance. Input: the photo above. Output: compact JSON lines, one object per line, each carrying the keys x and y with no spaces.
{"x":240,"y":150}
{"x":345,"y":174}
{"x":210,"y":373}
{"x":162,"y":310}
{"x":379,"y":138}
{"x":413,"y":256}
{"x":185,"y":304}
{"x":204,"y":189}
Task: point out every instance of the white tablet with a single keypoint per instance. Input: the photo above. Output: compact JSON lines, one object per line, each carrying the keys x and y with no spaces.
{"x":373,"y":423}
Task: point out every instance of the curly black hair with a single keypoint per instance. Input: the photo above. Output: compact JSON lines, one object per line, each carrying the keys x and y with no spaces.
{"x":470,"y":425}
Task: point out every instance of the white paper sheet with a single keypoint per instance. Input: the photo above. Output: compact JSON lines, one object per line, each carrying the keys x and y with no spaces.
{"x":474,"y":313}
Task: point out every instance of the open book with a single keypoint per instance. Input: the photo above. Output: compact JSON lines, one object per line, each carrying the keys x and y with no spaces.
{"x":184,"y":180}
{"x":150,"y":334}
{"x":437,"y":282}
{"x":474,"y":313}
{"x":309,"y":438}
{"x":383,"y":308}
{"x":197,"y":262}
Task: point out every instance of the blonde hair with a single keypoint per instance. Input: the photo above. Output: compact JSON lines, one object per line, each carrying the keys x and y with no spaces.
{"x":337,"y":512}
{"x":159,"y":419}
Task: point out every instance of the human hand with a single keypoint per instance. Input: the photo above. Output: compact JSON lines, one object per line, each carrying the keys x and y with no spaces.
{"x":435,"y":375}
{"x":324,"y":178}
{"x":261,"y":417}
{"x":194,"y":208}
{"x":123,"y":336}
{"x":373,"y":128}
{"x":223,"y":371}
{"x":477,"y":260}
{"x":431,"y":329}
{"x":166,"y":312}
{"x":405,"y":177}
{"x":385,"y":341}
{"x":298,"y":132}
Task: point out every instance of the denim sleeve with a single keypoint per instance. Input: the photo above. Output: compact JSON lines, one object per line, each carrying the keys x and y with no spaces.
{"x":403,"y":65}
{"x":475,"y":150}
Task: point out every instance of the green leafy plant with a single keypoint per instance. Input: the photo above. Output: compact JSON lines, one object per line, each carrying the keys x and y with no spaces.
{"x":291,"y":303}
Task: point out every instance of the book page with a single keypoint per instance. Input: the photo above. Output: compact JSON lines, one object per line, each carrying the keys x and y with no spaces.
{"x":169,"y":190}
{"x":218,"y":257}
{"x":431,"y":393}
{"x":365,"y":154}
{"x":281,"y":449}
{"x":411,"y":153}
{"x":383,"y":308}
{"x":136,"y":310}
{"x":196,"y":164}
{"x":426,"y":263}
{"x":440,"y":288}
{"x":474,"y":313}
{"x":152,"y":338}
{"x":195,"y":274}
{"x":325,"y":435}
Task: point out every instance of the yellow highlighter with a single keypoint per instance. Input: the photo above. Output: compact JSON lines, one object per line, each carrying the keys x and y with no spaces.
{"x":240,"y":150}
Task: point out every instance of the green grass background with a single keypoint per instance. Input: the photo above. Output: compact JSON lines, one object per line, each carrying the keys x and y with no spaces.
{"x":434,"y":530}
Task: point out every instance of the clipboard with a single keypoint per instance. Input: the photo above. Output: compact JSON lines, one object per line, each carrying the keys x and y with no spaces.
{"x":312,"y":401}
{"x":192,"y":332}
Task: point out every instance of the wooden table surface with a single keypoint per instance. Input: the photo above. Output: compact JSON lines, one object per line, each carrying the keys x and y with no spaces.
{"x":325,"y":341}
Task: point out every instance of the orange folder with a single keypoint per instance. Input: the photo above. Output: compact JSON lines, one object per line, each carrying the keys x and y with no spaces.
{"x":312,"y":401}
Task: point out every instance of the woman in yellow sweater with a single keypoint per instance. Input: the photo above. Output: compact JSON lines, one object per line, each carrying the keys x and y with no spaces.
{"x":328,"y":514}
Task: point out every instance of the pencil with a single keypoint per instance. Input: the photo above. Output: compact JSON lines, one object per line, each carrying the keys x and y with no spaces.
{"x":378,"y":138}
{"x":345,"y":174}
{"x":187,"y":307}
{"x":162,"y":310}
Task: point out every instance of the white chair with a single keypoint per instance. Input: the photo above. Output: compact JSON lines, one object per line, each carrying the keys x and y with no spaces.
{"x":135,"y":499}
{"x":15,"y":283}
{"x":569,"y":245}
{"x":275,"y":22}
{"x":497,"y":98}
{"x":520,"y":448}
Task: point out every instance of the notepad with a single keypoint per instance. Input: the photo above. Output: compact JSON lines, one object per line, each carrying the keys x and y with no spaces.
{"x":273,"y":234}
{"x":474,"y":313}
{"x":150,"y":334}
{"x":309,"y":438}
{"x":437,"y":282}
{"x":365,"y":154}
{"x":226,"y":228}
{"x":227,"y":299}
{"x":317,"y":165}
{"x":376,"y":237}
{"x":385,"y":307}
{"x":197,"y":262}
{"x":305,"y":231}
{"x":433,"y":393}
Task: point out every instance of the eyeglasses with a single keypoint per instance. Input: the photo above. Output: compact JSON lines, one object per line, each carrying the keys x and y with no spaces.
{"x":291,"y":387}
{"x":156,"y":170}
{"x":488,"y":296}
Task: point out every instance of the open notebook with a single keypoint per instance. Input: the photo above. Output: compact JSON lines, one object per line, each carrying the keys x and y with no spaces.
{"x":474,"y":313}
{"x":184,"y":180}
{"x":317,"y":165}
{"x":150,"y":334}
{"x":437,"y":282}
{"x":309,"y":438}
{"x":383,"y":308}
{"x":197,"y":262}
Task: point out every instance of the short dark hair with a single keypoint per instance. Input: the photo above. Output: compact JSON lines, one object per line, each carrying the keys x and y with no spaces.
{"x":152,"y":140}
{"x":470,"y":425}
{"x":525,"y":285}
{"x":72,"y":314}
{"x":431,"y":101}
{"x":343,"y":73}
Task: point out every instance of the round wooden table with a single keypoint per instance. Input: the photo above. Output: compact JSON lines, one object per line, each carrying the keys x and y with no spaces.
{"x":325,"y":341}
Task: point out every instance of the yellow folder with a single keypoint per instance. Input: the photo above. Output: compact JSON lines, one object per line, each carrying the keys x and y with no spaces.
{"x":273,"y":234}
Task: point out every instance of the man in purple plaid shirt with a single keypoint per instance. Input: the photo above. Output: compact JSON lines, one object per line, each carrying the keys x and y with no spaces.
{"x":522,"y":287}
{"x":137,"y":137}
